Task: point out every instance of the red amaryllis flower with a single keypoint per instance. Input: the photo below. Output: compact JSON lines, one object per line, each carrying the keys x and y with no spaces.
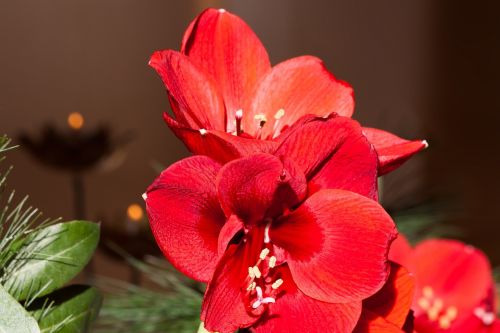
{"x":388,"y":311}
{"x":225,"y":94}
{"x":276,"y":257}
{"x":455,"y":289}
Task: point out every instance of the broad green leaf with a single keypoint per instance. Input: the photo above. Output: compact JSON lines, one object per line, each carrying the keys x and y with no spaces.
{"x":13,"y":317}
{"x":73,"y":309}
{"x":50,"y":258}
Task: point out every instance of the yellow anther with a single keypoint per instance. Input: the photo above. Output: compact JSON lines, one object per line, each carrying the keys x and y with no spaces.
{"x":438,"y":304}
{"x":427,"y":292}
{"x":261,"y":118}
{"x":279,"y":114}
{"x":251,"y":272}
{"x":277,"y":284}
{"x":264,"y":253}
{"x":451,"y":313}
{"x":272,"y":262}
{"x":433,"y":313}
{"x":252,"y":286}
{"x":256,"y":272}
{"x":424,"y":303}
{"x":444,"y":322}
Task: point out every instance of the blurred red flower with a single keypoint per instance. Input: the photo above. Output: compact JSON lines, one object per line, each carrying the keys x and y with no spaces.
{"x":455,"y":290}
{"x":277,"y":257}
{"x":224,"y":93}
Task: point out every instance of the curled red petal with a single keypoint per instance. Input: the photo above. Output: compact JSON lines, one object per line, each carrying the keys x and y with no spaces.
{"x":333,"y":153}
{"x":401,"y":252}
{"x":298,"y":86}
{"x":394,"y":300}
{"x":295,"y":312}
{"x":194,"y":96}
{"x":232,"y":226}
{"x":221,"y":146}
{"x":259,"y":186}
{"x":392,"y":150}
{"x":185,"y":216}
{"x":225,"y":47}
{"x":336,"y":245}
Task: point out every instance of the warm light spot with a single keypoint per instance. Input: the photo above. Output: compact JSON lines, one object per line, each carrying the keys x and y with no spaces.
{"x":135,"y":212}
{"x":75,"y":120}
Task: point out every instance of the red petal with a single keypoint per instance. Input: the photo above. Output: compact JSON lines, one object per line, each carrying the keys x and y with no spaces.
{"x":334,"y":154}
{"x":392,"y":150}
{"x":220,"y":146}
{"x":401,"y":252}
{"x":257,"y":186}
{"x":296,"y":312}
{"x":457,"y":273}
{"x":336,"y":244}
{"x":226,"y":306}
{"x":224,"y":46}
{"x":232,"y":226}
{"x":185,"y":215}
{"x":299,"y":86}
{"x":197,"y":103}
{"x":394,"y":300}
{"x":370,"y":322}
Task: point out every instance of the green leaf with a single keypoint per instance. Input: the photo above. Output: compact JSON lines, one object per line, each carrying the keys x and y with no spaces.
{"x":68,"y":310}
{"x":49,"y":258}
{"x":13,"y":317}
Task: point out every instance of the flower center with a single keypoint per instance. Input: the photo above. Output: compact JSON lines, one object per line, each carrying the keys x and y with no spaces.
{"x":435,"y":309}
{"x":262,"y":281}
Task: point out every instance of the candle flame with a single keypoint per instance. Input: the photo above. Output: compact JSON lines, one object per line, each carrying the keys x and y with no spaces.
{"x":75,"y":120}
{"x":135,"y":212}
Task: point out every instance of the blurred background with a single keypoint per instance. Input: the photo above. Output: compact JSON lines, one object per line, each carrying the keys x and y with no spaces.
{"x":420,"y":69}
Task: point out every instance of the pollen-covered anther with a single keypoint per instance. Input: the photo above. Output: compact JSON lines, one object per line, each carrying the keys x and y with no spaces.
{"x":256,"y":272}
{"x":252,"y":286}
{"x":272,"y":262}
{"x":261,"y":118}
{"x":251,"y":273}
{"x":279,"y":114}
{"x":264,"y":253}
{"x":203,"y":131}
{"x":277,"y":284}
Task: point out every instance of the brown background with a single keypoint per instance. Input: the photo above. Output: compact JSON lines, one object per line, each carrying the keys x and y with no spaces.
{"x":426,"y":69}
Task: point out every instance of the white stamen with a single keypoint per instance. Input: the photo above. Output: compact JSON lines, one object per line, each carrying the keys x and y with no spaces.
{"x":222,"y":10}
{"x":259,"y":292}
{"x":203,"y":131}
{"x":144,"y":196}
{"x":272,"y":262}
{"x":251,"y":273}
{"x":277,"y":284}
{"x":238,"y":114}
{"x":479,"y":312}
{"x":279,"y":114}
{"x":488,"y":318}
{"x":264,"y":253}
{"x":268,"y":300}
{"x":256,"y":304}
{"x":256,"y":272}
{"x":425,"y":143}
{"x":261,"y":118}
{"x":267,"y":240}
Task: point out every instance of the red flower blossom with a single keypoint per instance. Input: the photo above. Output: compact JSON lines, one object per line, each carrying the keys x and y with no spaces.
{"x":455,"y":290}
{"x":221,"y":83}
{"x":277,"y":256}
